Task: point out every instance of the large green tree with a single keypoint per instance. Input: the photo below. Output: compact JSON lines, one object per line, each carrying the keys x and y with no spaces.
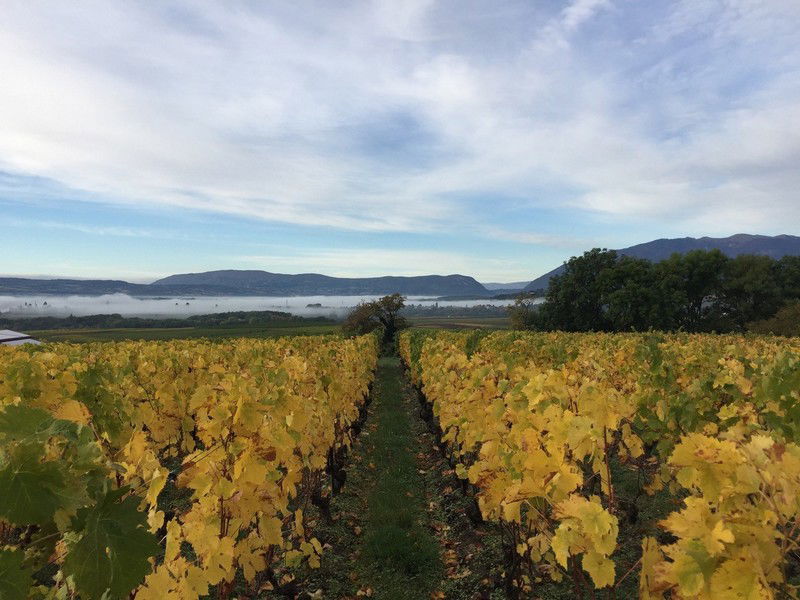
{"x":634,"y":298}
{"x":788,"y":269}
{"x":695,"y":281}
{"x":750,"y":291}
{"x":702,"y":290}
{"x":575,"y":299}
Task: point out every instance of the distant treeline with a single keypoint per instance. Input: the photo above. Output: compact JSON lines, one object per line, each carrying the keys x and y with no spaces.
{"x":116,"y":321}
{"x":700,"y":291}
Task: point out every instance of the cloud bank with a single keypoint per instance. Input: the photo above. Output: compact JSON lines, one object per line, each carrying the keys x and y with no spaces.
{"x":414,"y":116}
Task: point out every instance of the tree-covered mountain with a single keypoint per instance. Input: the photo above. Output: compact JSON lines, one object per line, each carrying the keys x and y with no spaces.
{"x":308,"y":284}
{"x":742,"y":243}
{"x":252,"y":283}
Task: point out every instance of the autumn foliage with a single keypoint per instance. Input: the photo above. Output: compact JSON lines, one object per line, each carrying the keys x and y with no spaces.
{"x":566,"y":439}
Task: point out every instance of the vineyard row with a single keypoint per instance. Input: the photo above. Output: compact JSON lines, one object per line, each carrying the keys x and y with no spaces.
{"x":626,"y":464}
{"x":170,"y":469}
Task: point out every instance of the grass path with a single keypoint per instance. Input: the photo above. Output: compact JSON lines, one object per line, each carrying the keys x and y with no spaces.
{"x":381,"y":544}
{"x":400,"y":551}
{"x":400,"y":528}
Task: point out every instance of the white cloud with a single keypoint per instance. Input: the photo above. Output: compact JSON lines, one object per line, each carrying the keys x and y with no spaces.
{"x":102,"y":230}
{"x":534,"y":238}
{"x":580,"y":11}
{"x":679,"y":113}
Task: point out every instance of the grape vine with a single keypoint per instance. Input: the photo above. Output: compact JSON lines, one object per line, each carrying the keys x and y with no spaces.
{"x":91,"y":436}
{"x":543,"y":425}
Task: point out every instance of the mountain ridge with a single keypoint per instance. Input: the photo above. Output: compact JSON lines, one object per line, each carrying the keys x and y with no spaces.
{"x":233,"y":282}
{"x":242,"y":282}
{"x":775,"y":246}
{"x":313,"y":284}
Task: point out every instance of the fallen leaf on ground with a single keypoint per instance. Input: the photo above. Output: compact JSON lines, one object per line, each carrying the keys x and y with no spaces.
{"x":365,"y":592}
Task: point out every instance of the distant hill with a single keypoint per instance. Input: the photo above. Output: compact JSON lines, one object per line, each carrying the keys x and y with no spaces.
{"x":518,"y":285}
{"x":252,"y":283}
{"x":313,"y":284}
{"x":12,"y":286}
{"x":741,"y":243}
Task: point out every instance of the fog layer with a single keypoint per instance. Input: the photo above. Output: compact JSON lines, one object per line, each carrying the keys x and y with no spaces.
{"x":307,"y":306}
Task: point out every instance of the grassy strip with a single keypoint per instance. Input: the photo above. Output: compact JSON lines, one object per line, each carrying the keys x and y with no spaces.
{"x":174,"y":333}
{"x":472,"y":553}
{"x":401,"y":553}
{"x":461,"y":322}
{"x":378,"y":544}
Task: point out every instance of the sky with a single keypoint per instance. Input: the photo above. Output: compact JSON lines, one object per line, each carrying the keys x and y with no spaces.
{"x":494,"y":139}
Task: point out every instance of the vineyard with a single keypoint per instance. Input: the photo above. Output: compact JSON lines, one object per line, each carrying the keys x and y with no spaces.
{"x":172,"y":469}
{"x":620,"y":466}
{"x":625,"y":465}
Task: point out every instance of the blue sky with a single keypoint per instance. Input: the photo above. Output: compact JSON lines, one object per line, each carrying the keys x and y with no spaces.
{"x":494,"y":139}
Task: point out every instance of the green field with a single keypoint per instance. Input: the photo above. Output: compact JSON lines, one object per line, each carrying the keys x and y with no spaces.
{"x":461,"y":322}
{"x":173,"y":333}
{"x":275,"y":329}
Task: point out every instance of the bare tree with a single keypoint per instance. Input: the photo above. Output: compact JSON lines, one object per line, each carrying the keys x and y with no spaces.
{"x":382,"y":313}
